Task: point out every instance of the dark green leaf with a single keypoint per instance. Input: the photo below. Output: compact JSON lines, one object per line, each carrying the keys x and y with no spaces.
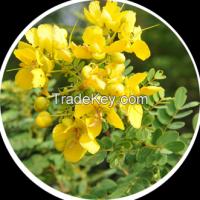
{"x":99,"y":192}
{"x":109,"y":185}
{"x":176,"y":146}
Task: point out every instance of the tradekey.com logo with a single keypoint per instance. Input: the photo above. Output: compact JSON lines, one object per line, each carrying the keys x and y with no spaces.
{"x":105,"y":100}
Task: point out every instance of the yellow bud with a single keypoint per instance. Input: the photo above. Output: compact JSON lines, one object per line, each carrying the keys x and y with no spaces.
{"x":67,"y":122}
{"x":41,"y":104}
{"x":118,"y":58}
{"x":116,"y":89}
{"x":43,"y":120}
{"x":86,"y":72}
{"x":60,"y":146}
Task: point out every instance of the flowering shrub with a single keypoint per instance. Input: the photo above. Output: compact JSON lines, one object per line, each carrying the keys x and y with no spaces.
{"x":140,"y":139}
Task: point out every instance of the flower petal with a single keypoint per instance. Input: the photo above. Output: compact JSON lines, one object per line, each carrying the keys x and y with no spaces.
{"x":61,"y":133}
{"x":75,"y":153}
{"x":150,"y":90}
{"x":95,"y":130}
{"x":141,"y":49}
{"x":114,"y":119}
{"x":135,"y":113}
{"x":32,"y":37}
{"x":24,"y":79}
{"x":82,"y":109}
{"x":91,"y":145}
{"x":117,"y":46}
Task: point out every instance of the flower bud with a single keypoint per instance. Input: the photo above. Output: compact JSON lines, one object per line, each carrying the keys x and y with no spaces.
{"x":60,"y":146}
{"x":41,"y":104}
{"x":86,"y":72}
{"x":67,"y":122}
{"x":116,"y":89}
{"x":43,"y":120}
{"x":118,"y":58}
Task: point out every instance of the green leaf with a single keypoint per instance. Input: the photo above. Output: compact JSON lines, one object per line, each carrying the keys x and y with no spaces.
{"x":176,"y":125}
{"x":172,"y":159}
{"x":127,"y":70}
{"x":119,"y":192}
{"x":171,"y":109}
{"x":195,"y":120}
{"x":82,"y":187}
{"x":138,"y":167}
{"x":127,"y":145}
{"x":167,"y":137}
{"x":99,"y":192}
{"x":109,"y":185}
{"x":36,"y":164}
{"x":147,"y":175}
{"x":156,"y":97}
{"x":183,"y":114}
{"x":154,"y":83}
{"x":89,"y":196}
{"x":72,"y":79}
{"x":144,"y":182}
{"x":176,"y":146}
{"x":148,"y":119}
{"x":142,"y":134}
{"x":180,"y":97}
{"x":161,"y":158}
{"x":150,"y":74}
{"x":142,"y":154}
{"x":156,"y":124}
{"x":163,"y":117}
{"x":151,"y":100}
{"x":164,"y":172}
{"x":95,"y":159}
{"x":105,"y":126}
{"x":102,"y":145}
{"x":156,"y":135}
{"x":165,"y":151}
{"x":107,"y":142}
{"x":161,"y":93}
{"x":190,"y":105}
{"x":81,"y":65}
{"x":130,"y":158}
{"x":127,"y":62}
{"x":136,"y":188}
{"x":76,"y":61}
{"x":159,"y":75}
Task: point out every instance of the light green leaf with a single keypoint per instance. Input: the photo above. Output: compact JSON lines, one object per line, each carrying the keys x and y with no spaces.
{"x":156,"y":135}
{"x":136,"y":188}
{"x":183,"y":114}
{"x":195,"y":120}
{"x":163,"y":117}
{"x":109,"y":185}
{"x":148,"y":119}
{"x":107,"y":142}
{"x":175,"y":146}
{"x":171,"y":109}
{"x":176,"y":125}
{"x":167,"y":137}
{"x":180,"y":97}
{"x":127,"y":71}
{"x":150,"y":74}
{"x":99,"y":192}
{"x":190,"y":105}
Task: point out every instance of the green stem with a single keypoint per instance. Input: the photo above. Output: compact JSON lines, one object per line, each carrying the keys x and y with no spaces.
{"x":170,"y":121}
{"x":125,"y":172}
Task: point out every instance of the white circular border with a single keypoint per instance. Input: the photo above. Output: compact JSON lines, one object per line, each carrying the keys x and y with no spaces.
{"x":20,"y":164}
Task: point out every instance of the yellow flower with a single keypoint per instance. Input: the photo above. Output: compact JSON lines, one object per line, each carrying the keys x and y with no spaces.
{"x":132,"y":35}
{"x":95,"y":116}
{"x":135,"y":111}
{"x":74,"y":140}
{"x":108,"y":18}
{"x":93,"y":77}
{"x":51,"y":39}
{"x":34,"y":65}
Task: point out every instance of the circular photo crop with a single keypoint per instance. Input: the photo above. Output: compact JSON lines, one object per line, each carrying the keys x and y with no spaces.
{"x":99,"y":100}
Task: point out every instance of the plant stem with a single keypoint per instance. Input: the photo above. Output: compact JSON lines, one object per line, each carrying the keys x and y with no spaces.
{"x":125,"y":172}
{"x":170,"y":121}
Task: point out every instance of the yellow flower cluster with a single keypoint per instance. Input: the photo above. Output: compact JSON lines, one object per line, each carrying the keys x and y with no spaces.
{"x":48,"y":46}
